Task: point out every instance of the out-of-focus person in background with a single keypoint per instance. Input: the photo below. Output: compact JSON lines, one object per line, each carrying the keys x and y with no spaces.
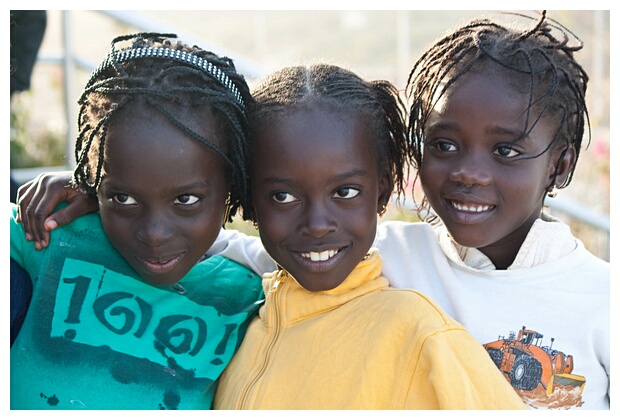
{"x":27,"y":31}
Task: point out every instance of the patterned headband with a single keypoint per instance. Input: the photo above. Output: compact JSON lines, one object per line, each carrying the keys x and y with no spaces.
{"x":167,"y":53}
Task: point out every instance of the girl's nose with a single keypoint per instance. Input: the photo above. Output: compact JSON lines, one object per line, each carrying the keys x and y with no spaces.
{"x":471,"y":171}
{"x":318,"y":221}
{"x":155,"y":230}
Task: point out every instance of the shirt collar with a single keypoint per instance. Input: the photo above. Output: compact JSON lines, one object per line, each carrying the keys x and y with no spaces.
{"x":547,"y":240}
{"x":295,"y":302}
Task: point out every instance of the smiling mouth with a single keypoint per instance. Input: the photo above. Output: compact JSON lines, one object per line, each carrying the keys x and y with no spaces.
{"x":320,"y":256}
{"x":159,"y":265}
{"x":470,"y":207}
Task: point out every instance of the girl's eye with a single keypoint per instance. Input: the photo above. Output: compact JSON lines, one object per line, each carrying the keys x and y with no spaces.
{"x":283,"y":197}
{"x":506,"y":151}
{"x":124,"y":199}
{"x":186,"y":199}
{"x":443,"y":146}
{"x":346,"y":192}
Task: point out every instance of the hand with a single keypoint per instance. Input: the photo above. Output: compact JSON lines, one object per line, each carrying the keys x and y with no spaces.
{"x":37,"y":199}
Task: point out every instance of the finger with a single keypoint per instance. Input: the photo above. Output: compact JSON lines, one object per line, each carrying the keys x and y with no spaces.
{"x":77,"y":207}
{"x":47,"y":198}
{"x":38,"y":199}
{"x":35,"y":214}
{"x":23,"y":190}
{"x":46,"y":191}
{"x":23,"y":198}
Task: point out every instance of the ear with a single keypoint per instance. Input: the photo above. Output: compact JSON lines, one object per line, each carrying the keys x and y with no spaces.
{"x":385,"y":192}
{"x":561,"y":167}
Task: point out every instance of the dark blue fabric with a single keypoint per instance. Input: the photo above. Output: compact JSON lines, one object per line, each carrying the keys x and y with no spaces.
{"x":21,"y":292}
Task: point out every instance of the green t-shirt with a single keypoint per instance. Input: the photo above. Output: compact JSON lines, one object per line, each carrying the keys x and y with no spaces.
{"x":98,"y":337}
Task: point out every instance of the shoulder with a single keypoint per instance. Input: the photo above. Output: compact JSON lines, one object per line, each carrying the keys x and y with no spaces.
{"x":83,"y":235}
{"x":395,"y":236}
{"x":415,"y":309}
{"x":218,"y":281}
{"x":87,"y":227}
{"x":591,"y":259}
{"x":581,"y":264}
{"x":220,"y":271}
{"x":220,"y":266}
{"x":396,"y":228}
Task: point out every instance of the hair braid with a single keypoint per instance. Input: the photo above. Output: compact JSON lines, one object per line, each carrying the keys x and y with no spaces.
{"x":541,"y":64}
{"x":165,"y":84}
{"x":298,"y":87}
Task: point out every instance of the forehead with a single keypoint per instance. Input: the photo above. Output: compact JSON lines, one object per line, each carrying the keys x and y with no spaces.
{"x":487,"y":84}
{"x":143,"y":126}
{"x":144,"y":135}
{"x":488,"y":105}
{"x":314,"y":139}
{"x":482,"y":97}
{"x":315,"y":126}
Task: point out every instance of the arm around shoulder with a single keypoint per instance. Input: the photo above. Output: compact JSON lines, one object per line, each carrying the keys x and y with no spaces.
{"x":243,"y":249}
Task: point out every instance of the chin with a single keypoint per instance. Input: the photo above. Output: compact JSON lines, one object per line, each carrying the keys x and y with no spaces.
{"x":159,"y":280}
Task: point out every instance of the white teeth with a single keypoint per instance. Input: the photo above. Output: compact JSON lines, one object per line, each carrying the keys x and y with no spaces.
{"x":471,"y":208}
{"x":320,"y":256}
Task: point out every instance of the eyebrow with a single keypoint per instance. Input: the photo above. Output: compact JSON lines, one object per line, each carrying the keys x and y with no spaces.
{"x":332,"y":179}
{"x":517,"y":135}
{"x":172,"y":190}
{"x":189,"y":187}
{"x":349,"y":174}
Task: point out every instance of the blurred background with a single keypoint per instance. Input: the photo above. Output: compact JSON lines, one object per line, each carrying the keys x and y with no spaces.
{"x":374,"y":44}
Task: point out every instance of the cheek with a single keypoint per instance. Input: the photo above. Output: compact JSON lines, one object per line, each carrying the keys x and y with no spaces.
{"x":430,"y":170}
{"x":430,"y":180}
{"x":527,"y":181}
{"x":275,"y":226}
{"x":118,"y":232}
{"x":272,"y":226}
{"x":362,"y":219}
{"x":204,"y":231}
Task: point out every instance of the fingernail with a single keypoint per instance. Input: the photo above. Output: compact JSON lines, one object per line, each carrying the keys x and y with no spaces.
{"x":28,"y":237}
{"x":50,"y":225}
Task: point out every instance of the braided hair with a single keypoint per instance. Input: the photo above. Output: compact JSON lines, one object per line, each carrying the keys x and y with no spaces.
{"x":290,"y":89}
{"x":540,"y":64}
{"x":165,"y":83}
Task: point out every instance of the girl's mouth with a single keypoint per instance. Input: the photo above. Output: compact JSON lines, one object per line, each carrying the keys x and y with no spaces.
{"x":470,"y":207}
{"x":320,"y":256}
{"x":160,"y":265}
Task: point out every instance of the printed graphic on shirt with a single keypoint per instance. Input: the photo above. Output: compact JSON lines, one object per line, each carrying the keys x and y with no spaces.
{"x":95,"y":307}
{"x":97,"y":337}
{"x":541,"y":375}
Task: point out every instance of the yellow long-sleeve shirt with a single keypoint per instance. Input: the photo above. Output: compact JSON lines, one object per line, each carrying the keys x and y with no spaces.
{"x":362,"y":345}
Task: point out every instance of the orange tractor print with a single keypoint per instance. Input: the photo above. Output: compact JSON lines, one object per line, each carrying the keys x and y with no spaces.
{"x":526,"y":363}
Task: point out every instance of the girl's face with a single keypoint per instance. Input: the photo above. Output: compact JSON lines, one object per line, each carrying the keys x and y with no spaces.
{"x":316,"y":191}
{"x":162,"y":194}
{"x":480,"y":176}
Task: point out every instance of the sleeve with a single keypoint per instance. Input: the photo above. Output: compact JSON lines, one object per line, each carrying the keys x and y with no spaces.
{"x":23,"y":251}
{"x":243,"y":249}
{"x":454,"y":372}
{"x":600,"y":335}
